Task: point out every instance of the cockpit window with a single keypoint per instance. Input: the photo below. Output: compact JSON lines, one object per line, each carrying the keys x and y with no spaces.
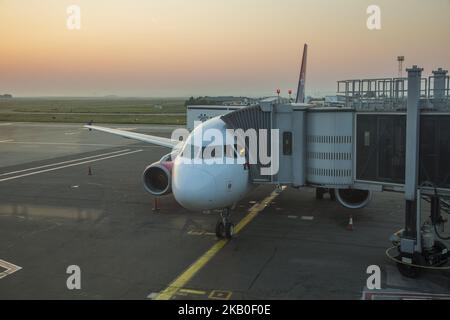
{"x":230,"y":151}
{"x":211,"y":152}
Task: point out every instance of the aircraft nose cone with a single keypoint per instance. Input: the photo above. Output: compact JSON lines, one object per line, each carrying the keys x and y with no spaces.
{"x":194,"y":188}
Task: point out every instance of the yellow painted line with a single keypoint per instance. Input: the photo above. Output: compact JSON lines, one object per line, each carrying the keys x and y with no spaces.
{"x":257,"y":208}
{"x":187,"y":275}
{"x":192,"y":291}
{"x":194,"y":268}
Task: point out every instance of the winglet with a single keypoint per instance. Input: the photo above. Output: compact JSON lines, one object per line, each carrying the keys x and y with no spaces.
{"x":302,"y":79}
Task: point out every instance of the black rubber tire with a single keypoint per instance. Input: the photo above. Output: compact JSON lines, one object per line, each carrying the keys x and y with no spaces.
{"x":229,"y":230}
{"x":319,"y":193}
{"x":220,"y":230}
{"x":439,"y":245}
{"x":332,"y":194}
{"x":408,"y":271}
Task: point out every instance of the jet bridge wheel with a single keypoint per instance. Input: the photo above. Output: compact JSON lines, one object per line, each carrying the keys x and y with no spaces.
{"x":319,"y":193}
{"x":408,"y":270}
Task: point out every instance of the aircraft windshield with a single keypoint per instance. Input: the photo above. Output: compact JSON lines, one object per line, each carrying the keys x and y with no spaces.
{"x":209,"y":152}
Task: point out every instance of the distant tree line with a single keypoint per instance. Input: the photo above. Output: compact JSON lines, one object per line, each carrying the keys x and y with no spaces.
{"x":200,"y":101}
{"x":6,"y":96}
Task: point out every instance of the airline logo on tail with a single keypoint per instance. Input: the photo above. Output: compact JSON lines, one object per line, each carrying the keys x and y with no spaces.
{"x":302,"y":79}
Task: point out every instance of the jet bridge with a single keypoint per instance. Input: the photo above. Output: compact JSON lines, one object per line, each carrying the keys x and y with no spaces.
{"x":315,"y":143}
{"x":391,"y":134}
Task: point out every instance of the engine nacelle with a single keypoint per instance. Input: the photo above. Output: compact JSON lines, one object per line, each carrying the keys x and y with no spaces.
{"x":158,"y":178}
{"x":353,"y":198}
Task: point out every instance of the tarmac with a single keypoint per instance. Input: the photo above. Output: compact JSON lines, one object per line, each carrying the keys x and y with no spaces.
{"x":70,"y":196}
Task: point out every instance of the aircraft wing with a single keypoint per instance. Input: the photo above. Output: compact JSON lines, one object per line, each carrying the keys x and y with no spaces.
{"x":160,"y":141}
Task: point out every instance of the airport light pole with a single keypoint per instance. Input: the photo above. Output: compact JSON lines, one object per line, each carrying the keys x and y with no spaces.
{"x":400,"y":60}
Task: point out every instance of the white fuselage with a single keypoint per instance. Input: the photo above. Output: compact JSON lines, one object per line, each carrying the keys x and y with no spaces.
{"x":204,"y":180}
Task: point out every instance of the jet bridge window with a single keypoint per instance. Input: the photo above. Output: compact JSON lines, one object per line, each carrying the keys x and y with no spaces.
{"x":287,"y":143}
{"x":380,"y":147}
{"x":434,"y":164}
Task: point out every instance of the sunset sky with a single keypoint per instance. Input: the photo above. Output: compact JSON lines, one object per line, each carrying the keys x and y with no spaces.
{"x":211,"y":47}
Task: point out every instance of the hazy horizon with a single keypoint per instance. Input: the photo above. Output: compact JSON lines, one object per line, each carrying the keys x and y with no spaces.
{"x":174,"y":48}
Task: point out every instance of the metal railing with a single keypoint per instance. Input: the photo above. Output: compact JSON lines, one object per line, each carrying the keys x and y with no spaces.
{"x":378,"y":91}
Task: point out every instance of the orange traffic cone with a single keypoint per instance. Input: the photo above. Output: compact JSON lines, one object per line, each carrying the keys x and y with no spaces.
{"x":350,"y":224}
{"x":89,"y":171}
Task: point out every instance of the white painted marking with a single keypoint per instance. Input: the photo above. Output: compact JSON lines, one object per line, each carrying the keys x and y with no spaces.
{"x":307,"y":218}
{"x":69,"y":165}
{"x":63,"y":162}
{"x":398,"y":294}
{"x":4,"y":141}
{"x":127,"y":129}
{"x":73,"y":187}
{"x":76,"y":144}
{"x":71,"y":133}
{"x":5,"y":124}
{"x":292,"y":217}
{"x":10,"y":268}
{"x":62,"y":143}
{"x":153,"y":295}
{"x":200,"y":233}
{"x":195,"y":233}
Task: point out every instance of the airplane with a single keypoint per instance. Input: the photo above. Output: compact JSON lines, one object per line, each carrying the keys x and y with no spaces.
{"x":202,"y":186}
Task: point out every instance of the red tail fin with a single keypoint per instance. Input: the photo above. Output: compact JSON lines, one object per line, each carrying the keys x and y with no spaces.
{"x":302,"y":79}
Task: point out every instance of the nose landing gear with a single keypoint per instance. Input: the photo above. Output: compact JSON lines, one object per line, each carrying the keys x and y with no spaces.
{"x":224,"y":226}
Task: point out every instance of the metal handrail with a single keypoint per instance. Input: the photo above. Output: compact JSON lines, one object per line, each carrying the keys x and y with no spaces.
{"x":379,"y":88}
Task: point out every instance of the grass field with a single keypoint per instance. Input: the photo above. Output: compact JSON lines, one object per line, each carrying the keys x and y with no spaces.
{"x":100,"y":110}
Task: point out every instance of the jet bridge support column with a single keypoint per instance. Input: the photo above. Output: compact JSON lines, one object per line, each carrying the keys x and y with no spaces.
{"x":410,"y":242}
{"x":418,"y":248}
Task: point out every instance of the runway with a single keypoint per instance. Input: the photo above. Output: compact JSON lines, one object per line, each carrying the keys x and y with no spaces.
{"x":54,"y":214}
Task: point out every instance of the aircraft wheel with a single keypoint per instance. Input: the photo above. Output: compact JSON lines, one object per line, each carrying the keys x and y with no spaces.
{"x":220,"y":229}
{"x":229,"y":230}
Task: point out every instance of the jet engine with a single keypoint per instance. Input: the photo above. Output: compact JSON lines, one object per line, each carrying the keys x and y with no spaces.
{"x":353,"y":198}
{"x":158,"y":178}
